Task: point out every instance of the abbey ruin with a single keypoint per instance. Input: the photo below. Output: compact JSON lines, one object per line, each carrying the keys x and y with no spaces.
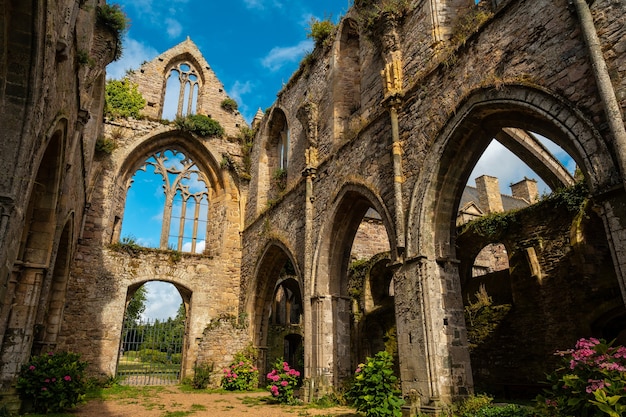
{"x":365,"y":155}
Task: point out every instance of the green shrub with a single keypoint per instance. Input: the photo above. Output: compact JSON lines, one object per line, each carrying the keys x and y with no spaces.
{"x":241,"y":374}
{"x":202,"y":376}
{"x":112,"y":17}
{"x":375,"y":388}
{"x":481,"y":406}
{"x":52,"y":381}
{"x":201,"y":125}
{"x":105,"y":145}
{"x":229,"y":105}
{"x":283,"y":381}
{"x":321,"y":31}
{"x":122,"y":99}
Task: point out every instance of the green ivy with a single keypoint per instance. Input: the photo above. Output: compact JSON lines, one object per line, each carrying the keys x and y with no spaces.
{"x":122,"y":99}
{"x":201,"y":125}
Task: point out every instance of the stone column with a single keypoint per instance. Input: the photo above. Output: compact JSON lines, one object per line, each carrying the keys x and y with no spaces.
{"x":432,"y":345}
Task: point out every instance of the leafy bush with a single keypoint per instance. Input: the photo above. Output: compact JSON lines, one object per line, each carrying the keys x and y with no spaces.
{"x":105,"y":145}
{"x":481,"y":406}
{"x":202,"y":376}
{"x":112,"y":17}
{"x":284,"y":380}
{"x":591,"y":382}
{"x":321,"y":31}
{"x":375,"y":388}
{"x":229,"y":105}
{"x":241,"y":374}
{"x":52,"y":381}
{"x":201,"y":125}
{"x":122,"y":99}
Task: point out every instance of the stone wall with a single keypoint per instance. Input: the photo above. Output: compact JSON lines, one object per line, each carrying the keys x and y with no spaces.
{"x":548,"y":312}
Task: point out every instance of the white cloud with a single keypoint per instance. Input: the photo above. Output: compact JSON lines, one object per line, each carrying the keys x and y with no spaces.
{"x":280,"y":56}
{"x":262,"y":4}
{"x":162,"y":300}
{"x":498,"y":161}
{"x":135,"y":53}
{"x":200,"y":245}
{"x":174,"y":28}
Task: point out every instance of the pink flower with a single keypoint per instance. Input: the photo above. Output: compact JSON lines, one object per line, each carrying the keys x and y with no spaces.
{"x":67,"y":378}
{"x":357,"y":370}
{"x":46,"y":380}
{"x":54,"y":380}
{"x":596,"y":384}
{"x":274,"y":390}
{"x":44,"y":389}
{"x":284,"y":383}
{"x":31,"y":368}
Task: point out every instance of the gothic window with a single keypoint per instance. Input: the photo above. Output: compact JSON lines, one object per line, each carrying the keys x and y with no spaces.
{"x":171,"y":181}
{"x":283,"y":148}
{"x":287,"y":304}
{"x":181,"y":91}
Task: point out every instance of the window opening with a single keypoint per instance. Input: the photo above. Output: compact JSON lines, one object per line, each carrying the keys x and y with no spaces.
{"x":183,"y":196}
{"x":181,"y":91}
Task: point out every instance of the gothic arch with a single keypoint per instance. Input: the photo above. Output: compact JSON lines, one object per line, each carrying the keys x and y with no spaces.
{"x":331,"y":303}
{"x":348,"y":208}
{"x":346,"y":79}
{"x":475,"y":123}
{"x":135,"y":157}
{"x":267,"y":274}
{"x":273,"y":260}
{"x":53,"y":294}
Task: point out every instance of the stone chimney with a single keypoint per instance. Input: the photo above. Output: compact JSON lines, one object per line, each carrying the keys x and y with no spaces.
{"x":489,"y":195}
{"x":526,"y":189}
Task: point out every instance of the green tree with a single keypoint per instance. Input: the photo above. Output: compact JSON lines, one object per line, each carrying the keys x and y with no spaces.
{"x":122,"y":99}
{"x":136,"y":306}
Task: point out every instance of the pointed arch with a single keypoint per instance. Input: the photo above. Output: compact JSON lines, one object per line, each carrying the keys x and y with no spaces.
{"x":476,"y":122}
{"x":330,"y":304}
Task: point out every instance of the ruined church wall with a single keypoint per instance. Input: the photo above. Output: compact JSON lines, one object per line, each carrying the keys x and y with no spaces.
{"x":209,"y":282}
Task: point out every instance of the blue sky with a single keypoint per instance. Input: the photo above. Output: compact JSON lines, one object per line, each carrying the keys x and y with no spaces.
{"x":253,"y":46}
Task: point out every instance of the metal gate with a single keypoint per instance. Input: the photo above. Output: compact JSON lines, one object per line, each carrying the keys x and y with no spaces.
{"x":151,"y":352}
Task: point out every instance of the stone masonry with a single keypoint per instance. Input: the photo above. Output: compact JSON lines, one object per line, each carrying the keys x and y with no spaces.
{"x":388,"y":115}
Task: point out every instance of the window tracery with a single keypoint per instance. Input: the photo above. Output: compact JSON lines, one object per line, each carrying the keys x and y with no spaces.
{"x":185,"y":204}
{"x":181,"y":91}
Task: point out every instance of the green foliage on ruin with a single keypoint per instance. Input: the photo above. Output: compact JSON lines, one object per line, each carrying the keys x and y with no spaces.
{"x":246,"y":140}
{"x":122,"y":99}
{"x":112,"y":17}
{"x":229,"y":105}
{"x":321,"y":31}
{"x":482,"y":317}
{"x":105,"y":145}
{"x":371,"y":13}
{"x":201,"y":125}
{"x":494,"y":225}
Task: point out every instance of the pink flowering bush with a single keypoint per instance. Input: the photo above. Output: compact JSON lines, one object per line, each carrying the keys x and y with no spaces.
{"x":591,"y":383}
{"x":241,"y":374}
{"x":283,"y":381}
{"x":52,"y":382}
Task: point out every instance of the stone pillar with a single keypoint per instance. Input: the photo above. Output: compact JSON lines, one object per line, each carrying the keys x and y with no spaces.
{"x":432,"y":342}
{"x":489,"y":194}
{"x":526,"y":189}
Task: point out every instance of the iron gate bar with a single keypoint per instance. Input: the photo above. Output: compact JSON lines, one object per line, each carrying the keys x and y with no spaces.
{"x":150,"y":352}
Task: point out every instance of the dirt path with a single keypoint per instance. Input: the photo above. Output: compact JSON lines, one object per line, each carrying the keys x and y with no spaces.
{"x":172,"y":402}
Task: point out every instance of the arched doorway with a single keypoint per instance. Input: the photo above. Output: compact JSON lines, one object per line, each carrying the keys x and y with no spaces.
{"x":152,"y":343}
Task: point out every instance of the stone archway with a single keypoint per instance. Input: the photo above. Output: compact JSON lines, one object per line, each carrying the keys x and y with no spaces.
{"x":435,"y":325}
{"x":276,"y":269}
{"x":331,"y":361}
